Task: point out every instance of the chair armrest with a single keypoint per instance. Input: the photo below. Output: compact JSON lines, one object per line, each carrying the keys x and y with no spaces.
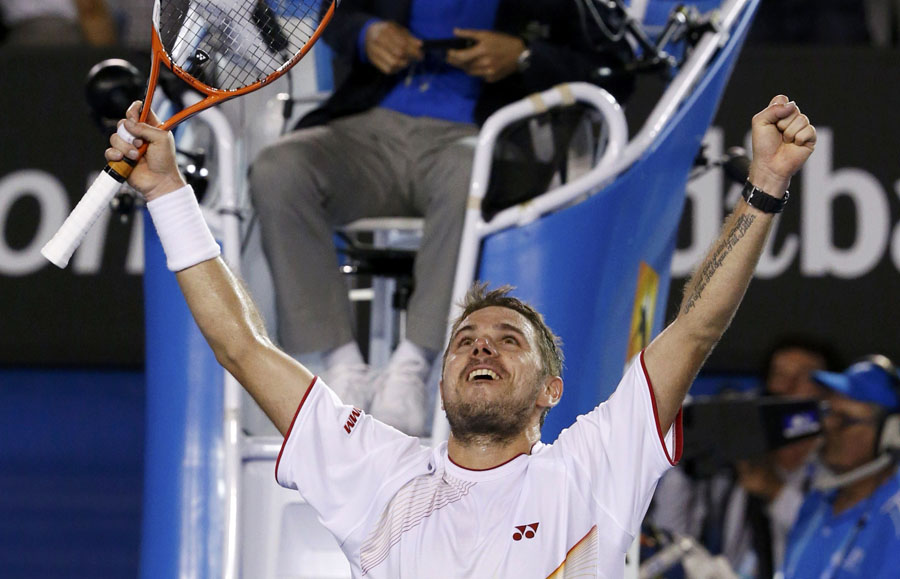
{"x":561,"y":96}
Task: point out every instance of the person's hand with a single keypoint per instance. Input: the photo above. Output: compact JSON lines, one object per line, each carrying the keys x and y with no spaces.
{"x":390,"y":47}
{"x":494,"y":56}
{"x":759,"y":478}
{"x":157,"y":172}
{"x":783,"y":139}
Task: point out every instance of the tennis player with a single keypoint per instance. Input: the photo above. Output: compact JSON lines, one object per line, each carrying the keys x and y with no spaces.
{"x":492,"y":501}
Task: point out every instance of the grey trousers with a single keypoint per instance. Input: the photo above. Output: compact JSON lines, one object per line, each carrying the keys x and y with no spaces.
{"x":375,"y":164}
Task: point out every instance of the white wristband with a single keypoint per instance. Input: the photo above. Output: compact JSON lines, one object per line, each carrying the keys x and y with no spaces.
{"x":183,"y":232}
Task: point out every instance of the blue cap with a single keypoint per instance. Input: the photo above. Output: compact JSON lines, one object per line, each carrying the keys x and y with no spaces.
{"x":863,"y":381}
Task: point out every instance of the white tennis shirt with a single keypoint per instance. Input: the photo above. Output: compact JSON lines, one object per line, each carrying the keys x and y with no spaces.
{"x":400,"y":509}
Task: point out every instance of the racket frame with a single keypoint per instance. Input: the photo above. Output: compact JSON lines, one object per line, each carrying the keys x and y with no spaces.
{"x":59,"y":249}
{"x":214,"y":96}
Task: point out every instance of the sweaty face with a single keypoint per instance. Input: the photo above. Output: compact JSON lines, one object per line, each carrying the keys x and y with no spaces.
{"x":492,"y":375}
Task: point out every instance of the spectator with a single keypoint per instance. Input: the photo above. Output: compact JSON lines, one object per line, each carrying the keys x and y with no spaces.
{"x":406,"y":116}
{"x":745,"y":513}
{"x":848,"y":526}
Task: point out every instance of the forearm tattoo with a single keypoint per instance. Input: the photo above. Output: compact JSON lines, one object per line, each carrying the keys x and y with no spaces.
{"x":714,"y":261}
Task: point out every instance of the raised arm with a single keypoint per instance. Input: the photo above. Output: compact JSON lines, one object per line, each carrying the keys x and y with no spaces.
{"x":219,"y":303}
{"x":783,"y":139}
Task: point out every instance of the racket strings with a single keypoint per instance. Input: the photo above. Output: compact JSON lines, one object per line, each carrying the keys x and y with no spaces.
{"x":231,"y":44}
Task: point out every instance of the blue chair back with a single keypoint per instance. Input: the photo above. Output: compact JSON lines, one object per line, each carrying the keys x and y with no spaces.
{"x":599,"y":270}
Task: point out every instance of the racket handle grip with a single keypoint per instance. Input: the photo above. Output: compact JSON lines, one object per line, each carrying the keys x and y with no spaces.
{"x":69,"y":236}
{"x":63,"y":244}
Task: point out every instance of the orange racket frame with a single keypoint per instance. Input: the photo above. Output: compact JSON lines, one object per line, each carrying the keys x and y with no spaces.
{"x":63,"y":244}
{"x":214,"y":96}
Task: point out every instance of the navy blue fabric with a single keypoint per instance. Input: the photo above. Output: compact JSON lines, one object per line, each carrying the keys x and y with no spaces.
{"x":71,"y":464}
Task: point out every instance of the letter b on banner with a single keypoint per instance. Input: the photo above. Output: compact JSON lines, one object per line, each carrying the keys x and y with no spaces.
{"x":821,"y":186}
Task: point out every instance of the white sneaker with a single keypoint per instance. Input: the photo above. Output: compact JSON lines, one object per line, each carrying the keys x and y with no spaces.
{"x":351,"y":382}
{"x":400,"y":396}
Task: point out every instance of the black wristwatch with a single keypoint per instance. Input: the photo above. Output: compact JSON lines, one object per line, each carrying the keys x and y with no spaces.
{"x":758,"y":198}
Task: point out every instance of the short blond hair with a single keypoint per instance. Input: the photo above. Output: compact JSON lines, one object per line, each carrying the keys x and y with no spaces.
{"x":549,"y":344}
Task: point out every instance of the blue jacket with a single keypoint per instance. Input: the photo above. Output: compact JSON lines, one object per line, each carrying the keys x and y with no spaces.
{"x":863,"y":541}
{"x":562,"y":50}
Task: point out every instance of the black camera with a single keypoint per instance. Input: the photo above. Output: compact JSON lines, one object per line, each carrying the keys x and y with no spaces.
{"x":721,"y":430}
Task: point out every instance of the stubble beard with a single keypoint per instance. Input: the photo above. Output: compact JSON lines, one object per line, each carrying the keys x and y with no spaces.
{"x":486,"y":421}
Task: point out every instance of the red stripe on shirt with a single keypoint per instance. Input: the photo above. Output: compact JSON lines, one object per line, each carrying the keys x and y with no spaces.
{"x":678,"y":426}
{"x":291,"y":427}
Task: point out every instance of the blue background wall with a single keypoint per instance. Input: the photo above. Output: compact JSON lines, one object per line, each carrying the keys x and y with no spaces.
{"x":71,"y":472}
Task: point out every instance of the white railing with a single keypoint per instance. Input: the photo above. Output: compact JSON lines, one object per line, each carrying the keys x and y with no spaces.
{"x":619,"y":155}
{"x":224,"y":218}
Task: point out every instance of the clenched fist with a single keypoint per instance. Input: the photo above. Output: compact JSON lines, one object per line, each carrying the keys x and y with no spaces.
{"x":783,"y":139}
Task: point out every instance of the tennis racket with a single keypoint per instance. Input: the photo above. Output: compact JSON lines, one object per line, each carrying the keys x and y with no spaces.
{"x":221,"y":48}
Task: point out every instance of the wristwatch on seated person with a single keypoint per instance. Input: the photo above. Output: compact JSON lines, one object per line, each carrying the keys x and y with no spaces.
{"x":524,"y":60}
{"x":756,"y":197}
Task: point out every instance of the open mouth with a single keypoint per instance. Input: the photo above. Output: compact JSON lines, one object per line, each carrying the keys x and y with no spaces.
{"x":482,"y":374}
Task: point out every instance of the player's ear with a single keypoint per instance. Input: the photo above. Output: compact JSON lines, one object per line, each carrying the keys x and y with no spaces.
{"x":551,"y":392}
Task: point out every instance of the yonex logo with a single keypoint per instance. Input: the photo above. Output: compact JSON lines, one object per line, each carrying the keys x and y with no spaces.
{"x":527,"y":531}
{"x":200,"y":57}
{"x":351,"y":421}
